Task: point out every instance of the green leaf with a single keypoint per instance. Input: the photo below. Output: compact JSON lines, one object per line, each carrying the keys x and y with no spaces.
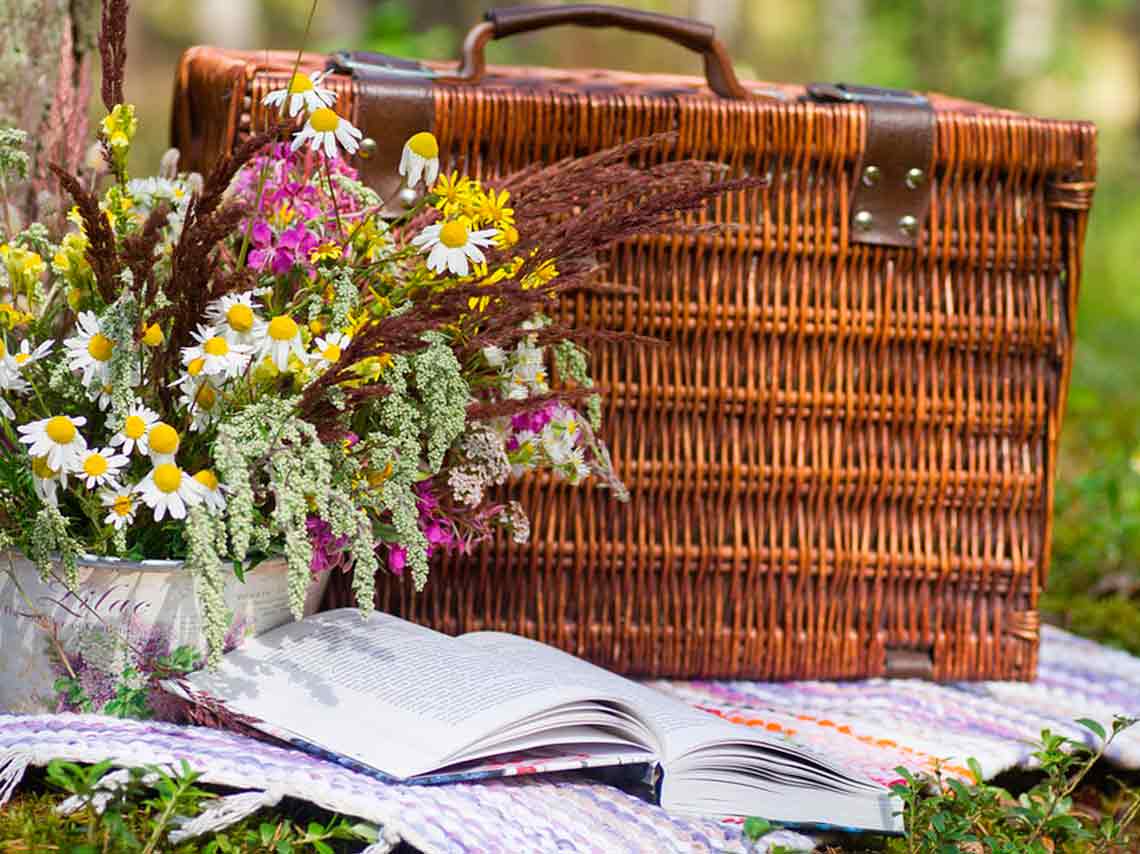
{"x":976,"y":769}
{"x":1090,"y":724}
{"x":322,"y":847}
{"x":755,"y":827}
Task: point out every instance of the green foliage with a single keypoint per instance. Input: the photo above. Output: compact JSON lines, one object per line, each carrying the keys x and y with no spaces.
{"x":134,"y":813}
{"x":389,"y":29}
{"x":945,"y":816}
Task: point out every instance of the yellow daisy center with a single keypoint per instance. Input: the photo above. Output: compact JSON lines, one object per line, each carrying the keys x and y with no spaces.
{"x":153,"y":335}
{"x":424,"y":144}
{"x":216,"y":346}
{"x":206,"y":397}
{"x":163,"y":438}
{"x":3,"y":350}
{"x":167,"y":477}
{"x":99,"y":347}
{"x":282,"y":328}
{"x":207,"y":479}
{"x":41,"y":469}
{"x":22,"y":357}
{"x":122,"y":505}
{"x":95,"y":465}
{"x":453,"y":234}
{"x":240,"y":317}
{"x":324,"y":120}
{"x":300,"y":83}
{"x":331,"y":353}
{"x":195,"y":366}
{"x":60,"y":430}
{"x":134,"y":427}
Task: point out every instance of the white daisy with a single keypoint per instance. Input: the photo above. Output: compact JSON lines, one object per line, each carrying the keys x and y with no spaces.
{"x":100,"y":467}
{"x":122,"y":505}
{"x":449,"y":245}
{"x":303,"y":92}
{"x":201,"y":401}
{"x":329,"y":349}
{"x":58,"y":439}
{"x":279,"y":339}
{"x":168,"y":489}
{"x":219,"y":357}
{"x":46,"y":480}
{"x":163,"y":443}
{"x":325,"y":129}
{"x":234,"y":315}
{"x":26,"y":355}
{"x":133,"y":432}
{"x":211,"y":490}
{"x":6,"y":410}
{"x":420,"y":159}
{"x":89,"y":351}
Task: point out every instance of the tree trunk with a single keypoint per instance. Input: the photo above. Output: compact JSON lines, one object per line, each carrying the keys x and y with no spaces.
{"x":46,"y":49}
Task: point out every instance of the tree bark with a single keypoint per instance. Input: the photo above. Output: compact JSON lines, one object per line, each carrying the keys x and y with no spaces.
{"x":46,"y":49}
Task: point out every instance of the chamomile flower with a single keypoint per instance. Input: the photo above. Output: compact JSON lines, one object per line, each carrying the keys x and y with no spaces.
{"x":329,"y":349}
{"x":219,"y":357}
{"x":163,"y":442}
{"x":47,"y":480}
{"x":6,"y":410}
{"x":279,"y":339}
{"x":57,"y":439}
{"x":420,"y":159}
{"x":211,"y":491}
{"x":304,"y":92}
{"x":234,"y":316}
{"x":26,"y":355}
{"x":449,"y":245}
{"x":324,"y":130}
{"x":100,"y":467}
{"x":121,"y":505}
{"x":135,"y":427}
{"x":168,"y":490}
{"x":201,"y":401}
{"x":89,"y":351}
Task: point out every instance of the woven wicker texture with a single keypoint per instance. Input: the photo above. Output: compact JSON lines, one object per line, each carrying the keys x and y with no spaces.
{"x":846,"y":452}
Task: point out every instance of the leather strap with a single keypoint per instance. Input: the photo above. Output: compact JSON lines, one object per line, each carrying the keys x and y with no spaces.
{"x":892,"y":180}
{"x":392,"y":100}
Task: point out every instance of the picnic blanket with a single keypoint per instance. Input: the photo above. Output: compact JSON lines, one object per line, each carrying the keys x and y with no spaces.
{"x":873,"y":725}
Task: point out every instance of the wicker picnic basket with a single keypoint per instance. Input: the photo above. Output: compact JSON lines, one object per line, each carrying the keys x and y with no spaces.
{"x":843,"y":463}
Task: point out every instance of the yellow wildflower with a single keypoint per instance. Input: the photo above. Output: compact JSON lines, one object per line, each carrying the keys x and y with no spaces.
{"x":455,"y":194}
{"x":119,"y":127}
{"x":493,"y":210}
{"x":325,"y":252}
{"x":543,"y":274}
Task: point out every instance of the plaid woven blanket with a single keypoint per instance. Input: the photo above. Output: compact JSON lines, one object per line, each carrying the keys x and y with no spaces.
{"x":874,"y":726}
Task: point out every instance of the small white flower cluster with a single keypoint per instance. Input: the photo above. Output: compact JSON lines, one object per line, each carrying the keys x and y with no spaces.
{"x":522,"y":371}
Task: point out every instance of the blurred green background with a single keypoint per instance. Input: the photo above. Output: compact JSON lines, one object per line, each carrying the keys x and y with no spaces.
{"x":1060,"y":58}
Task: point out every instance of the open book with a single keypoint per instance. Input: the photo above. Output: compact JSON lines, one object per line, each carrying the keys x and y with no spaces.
{"x":405,"y":703}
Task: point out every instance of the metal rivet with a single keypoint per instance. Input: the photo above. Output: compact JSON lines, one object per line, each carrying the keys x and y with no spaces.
{"x":908,"y":225}
{"x":408,"y":196}
{"x":367,"y":148}
{"x":871,"y":176}
{"x":915,"y":178}
{"x":863,"y":220}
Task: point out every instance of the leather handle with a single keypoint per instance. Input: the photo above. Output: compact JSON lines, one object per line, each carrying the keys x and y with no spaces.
{"x":694,"y":35}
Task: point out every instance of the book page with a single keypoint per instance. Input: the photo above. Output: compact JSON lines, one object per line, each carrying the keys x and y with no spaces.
{"x":383,"y":691}
{"x":675,"y":725}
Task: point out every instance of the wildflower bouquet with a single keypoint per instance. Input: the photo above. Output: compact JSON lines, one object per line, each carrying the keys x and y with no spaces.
{"x":255,"y":362}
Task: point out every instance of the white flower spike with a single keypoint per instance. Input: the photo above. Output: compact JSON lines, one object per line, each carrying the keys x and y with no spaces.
{"x":449,"y":246}
{"x":304,"y":92}
{"x":324,"y":130}
{"x":420,"y":159}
